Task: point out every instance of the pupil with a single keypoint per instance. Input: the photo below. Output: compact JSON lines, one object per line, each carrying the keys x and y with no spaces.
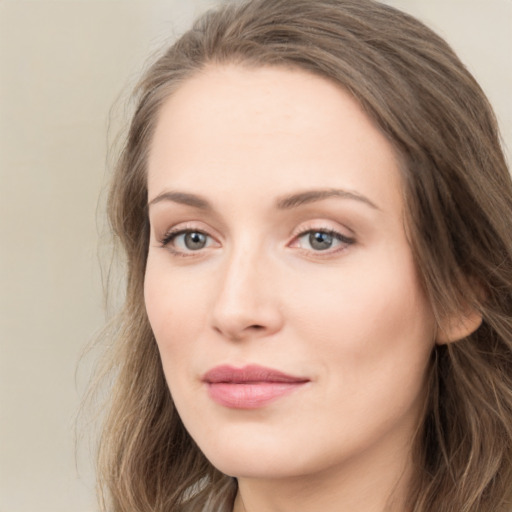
{"x":320,"y":241}
{"x":194,"y":241}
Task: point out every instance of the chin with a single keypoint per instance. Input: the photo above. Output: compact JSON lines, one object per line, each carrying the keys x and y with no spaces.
{"x":254,"y":465}
{"x":259,"y":456}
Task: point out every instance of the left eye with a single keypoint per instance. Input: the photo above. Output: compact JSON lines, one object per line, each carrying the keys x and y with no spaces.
{"x":322,"y":240}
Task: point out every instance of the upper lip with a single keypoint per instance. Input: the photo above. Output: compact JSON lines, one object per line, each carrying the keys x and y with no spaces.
{"x":248,"y":374}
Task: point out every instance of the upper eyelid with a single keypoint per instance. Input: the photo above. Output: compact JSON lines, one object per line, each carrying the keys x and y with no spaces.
{"x":323,"y":230}
{"x":303,"y":227}
{"x":323,"y":225}
{"x":343,"y":239}
{"x":193,"y":225}
{"x":173,"y":233}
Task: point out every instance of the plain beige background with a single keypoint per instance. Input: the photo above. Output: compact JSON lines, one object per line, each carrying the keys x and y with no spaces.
{"x":63,"y":64}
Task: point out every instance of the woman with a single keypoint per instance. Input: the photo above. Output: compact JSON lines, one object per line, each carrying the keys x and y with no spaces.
{"x":316,"y":215}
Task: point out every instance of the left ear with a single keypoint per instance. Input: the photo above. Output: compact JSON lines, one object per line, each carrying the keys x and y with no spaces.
{"x":458,"y":326}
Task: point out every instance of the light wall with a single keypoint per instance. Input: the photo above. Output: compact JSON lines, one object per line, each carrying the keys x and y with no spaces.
{"x":63,"y":64}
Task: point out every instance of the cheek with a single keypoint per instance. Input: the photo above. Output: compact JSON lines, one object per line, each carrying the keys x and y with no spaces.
{"x":372,"y":324}
{"x":174,"y":310}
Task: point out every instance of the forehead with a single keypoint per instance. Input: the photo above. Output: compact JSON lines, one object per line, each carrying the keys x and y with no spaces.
{"x":232,"y":127}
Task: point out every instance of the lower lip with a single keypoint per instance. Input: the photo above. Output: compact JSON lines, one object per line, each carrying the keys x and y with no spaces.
{"x":250,"y":395}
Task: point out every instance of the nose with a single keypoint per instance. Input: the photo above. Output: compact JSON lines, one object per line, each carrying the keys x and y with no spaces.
{"x":247,"y":302}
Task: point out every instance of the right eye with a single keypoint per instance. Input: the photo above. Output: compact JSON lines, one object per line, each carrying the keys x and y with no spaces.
{"x":187,"y":240}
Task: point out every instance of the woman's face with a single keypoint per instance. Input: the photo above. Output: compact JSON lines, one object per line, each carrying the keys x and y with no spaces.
{"x":280,"y":285}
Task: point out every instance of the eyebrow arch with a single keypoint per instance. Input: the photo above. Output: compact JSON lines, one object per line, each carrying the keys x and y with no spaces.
{"x":283,"y":203}
{"x":182,"y":198}
{"x":311,"y":196}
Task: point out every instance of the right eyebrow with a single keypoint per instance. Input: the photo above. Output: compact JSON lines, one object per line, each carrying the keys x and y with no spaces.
{"x":182,"y":198}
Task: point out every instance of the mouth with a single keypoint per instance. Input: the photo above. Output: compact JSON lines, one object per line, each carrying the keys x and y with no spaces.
{"x":250,"y":387}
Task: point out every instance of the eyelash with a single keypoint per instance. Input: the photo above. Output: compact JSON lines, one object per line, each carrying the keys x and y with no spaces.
{"x":170,"y":236}
{"x":345,"y":241}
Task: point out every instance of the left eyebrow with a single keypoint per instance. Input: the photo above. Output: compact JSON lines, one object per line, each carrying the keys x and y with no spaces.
{"x":311,"y":196}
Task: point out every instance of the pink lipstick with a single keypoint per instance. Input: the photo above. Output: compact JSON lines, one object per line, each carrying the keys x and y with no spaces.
{"x":249,"y":387}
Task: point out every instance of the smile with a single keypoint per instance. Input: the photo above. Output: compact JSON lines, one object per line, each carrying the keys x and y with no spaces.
{"x":250,"y":387}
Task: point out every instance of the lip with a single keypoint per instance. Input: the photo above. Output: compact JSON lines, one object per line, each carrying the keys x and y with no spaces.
{"x":249,"y":387}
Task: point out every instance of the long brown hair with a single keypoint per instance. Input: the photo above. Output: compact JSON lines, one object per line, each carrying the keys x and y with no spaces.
{"x":458,"y":196}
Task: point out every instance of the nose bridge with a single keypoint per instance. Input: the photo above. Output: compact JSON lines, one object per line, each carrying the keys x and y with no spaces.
{"x":246,"y":301}
{"x":243,"y":277}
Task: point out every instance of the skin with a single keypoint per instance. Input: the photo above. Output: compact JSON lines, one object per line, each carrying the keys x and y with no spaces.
{"x":352,"y":319}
